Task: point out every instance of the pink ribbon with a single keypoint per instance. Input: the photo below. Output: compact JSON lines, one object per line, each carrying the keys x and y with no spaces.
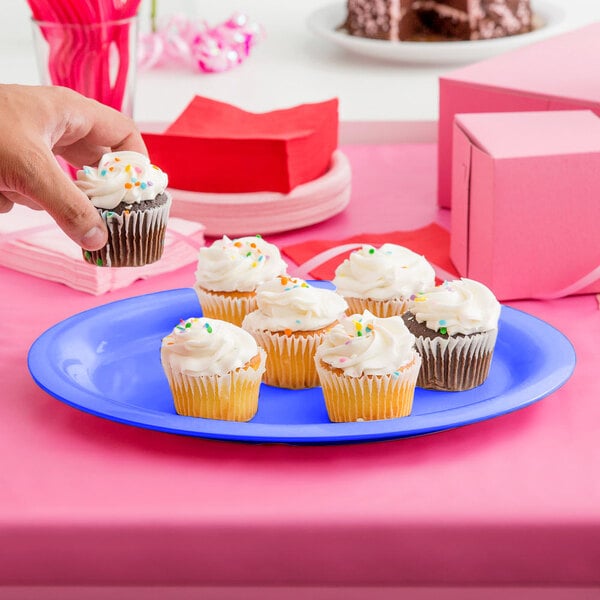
{"x":303,"y":271}
{"x":195,"y":44}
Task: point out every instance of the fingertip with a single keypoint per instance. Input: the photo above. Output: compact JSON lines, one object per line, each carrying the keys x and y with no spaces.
{"x":94,"y":239}
{"x":133,"y":142}
{"x":5,"y":204}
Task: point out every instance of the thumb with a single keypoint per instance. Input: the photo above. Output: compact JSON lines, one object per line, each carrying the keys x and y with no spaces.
{"x":62,"y":199}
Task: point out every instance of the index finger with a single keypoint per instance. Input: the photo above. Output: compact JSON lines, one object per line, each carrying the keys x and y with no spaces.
{"x":97,"y":125}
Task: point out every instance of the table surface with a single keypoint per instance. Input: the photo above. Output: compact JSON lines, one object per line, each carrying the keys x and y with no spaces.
{"x":85,"y":501}
{"x":291,"y":66}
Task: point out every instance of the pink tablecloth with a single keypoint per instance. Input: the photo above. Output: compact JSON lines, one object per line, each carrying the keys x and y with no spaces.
{"x":510,"y":501}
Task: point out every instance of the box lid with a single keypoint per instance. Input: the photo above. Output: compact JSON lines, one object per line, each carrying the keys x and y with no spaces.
{"x":532,"y":69}
{"x":524,"y":134}
{"x":523,"y":220}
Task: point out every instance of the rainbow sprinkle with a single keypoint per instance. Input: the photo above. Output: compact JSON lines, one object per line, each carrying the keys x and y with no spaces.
{"x":133,"y":171}
{"x":358,"y":328}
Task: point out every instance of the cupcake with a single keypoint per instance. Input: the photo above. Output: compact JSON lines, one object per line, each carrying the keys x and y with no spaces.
{"x":455,"y":325}
{"x":228,"y":273}
{"x":291,"y":319}
{"x":130,"y":195}
{"x":368,"y":368}
{"x":214,"y":369}
{"x":382,"y":280}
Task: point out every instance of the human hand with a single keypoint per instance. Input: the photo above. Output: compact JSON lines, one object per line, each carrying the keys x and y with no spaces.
{"x":38,"y":122}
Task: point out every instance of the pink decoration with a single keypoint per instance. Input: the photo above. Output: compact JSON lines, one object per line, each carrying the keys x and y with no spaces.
{"x":209,"y":49}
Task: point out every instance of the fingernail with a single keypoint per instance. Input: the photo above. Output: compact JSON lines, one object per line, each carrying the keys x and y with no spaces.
{"x":93,"y":239}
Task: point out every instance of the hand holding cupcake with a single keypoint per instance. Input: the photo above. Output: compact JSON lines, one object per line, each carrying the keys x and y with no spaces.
{"x":130,"y":195}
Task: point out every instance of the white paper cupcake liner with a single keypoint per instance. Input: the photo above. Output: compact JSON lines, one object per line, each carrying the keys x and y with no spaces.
{"x":135,"y":237}
{"x":369,"y":397}
{"x":290,"y":358}
{"x":455,"y":363}
{"x":380,"y":308}
{"x":225,"y":307}
{"x":232,"y":396}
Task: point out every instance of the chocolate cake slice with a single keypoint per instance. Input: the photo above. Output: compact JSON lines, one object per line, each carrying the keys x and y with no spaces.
{"x":473,"y":19}
{"x":381,"y":19}
{"x":404,"y":20}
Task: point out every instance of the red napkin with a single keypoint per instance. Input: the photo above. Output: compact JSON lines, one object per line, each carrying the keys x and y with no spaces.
{"x":431,"y":241}
{"x":216,"y":147}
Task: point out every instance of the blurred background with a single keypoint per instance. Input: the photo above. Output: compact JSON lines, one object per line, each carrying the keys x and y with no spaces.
{"x":291,"y":65}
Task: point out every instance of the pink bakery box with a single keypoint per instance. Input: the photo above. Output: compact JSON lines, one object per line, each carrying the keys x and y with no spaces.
{"x":560,"y":73}
{"x":526,"y":202}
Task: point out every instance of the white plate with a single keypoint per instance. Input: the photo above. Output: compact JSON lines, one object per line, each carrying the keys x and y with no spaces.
{"x":326,"y":22}
{"x":269,"y":212}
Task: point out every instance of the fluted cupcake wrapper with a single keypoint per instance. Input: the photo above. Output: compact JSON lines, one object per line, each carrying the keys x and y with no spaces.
{"x":370,"y":397}
{"x":225,"y":307}
{"x":135,"y":237}
{"x":380,"y":308}
{"x":232,"y":396}
{"x":455,"y":363}
{"x":290,"y":358}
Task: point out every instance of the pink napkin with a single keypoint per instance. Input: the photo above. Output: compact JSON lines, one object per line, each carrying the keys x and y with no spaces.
{"x":31,"y":242}
{"x":319,"y":258}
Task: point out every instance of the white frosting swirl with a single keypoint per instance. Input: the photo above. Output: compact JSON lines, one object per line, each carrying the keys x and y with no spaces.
{"x":121,"y":177}
{"x":461,"y":306}
{"x":240,"y":264}
{"x":289,"y":303}
{"x":368,"y":345}
{"x":386,"y":273}
{"x":200,"y":346}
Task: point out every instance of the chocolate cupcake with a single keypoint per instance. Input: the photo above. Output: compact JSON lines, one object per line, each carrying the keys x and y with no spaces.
{"x":130,"y":195}
{"x":455,"y":325}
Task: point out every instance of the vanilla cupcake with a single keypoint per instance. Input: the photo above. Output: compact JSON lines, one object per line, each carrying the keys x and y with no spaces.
{"x":130,"y":195}
{"x":382,"y":280}
{"x":455,"y":325}
{"x":214,"y":369}
{"x":290,"y":322}
{"x":368,"y":368}
{"x":228,"y":273}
